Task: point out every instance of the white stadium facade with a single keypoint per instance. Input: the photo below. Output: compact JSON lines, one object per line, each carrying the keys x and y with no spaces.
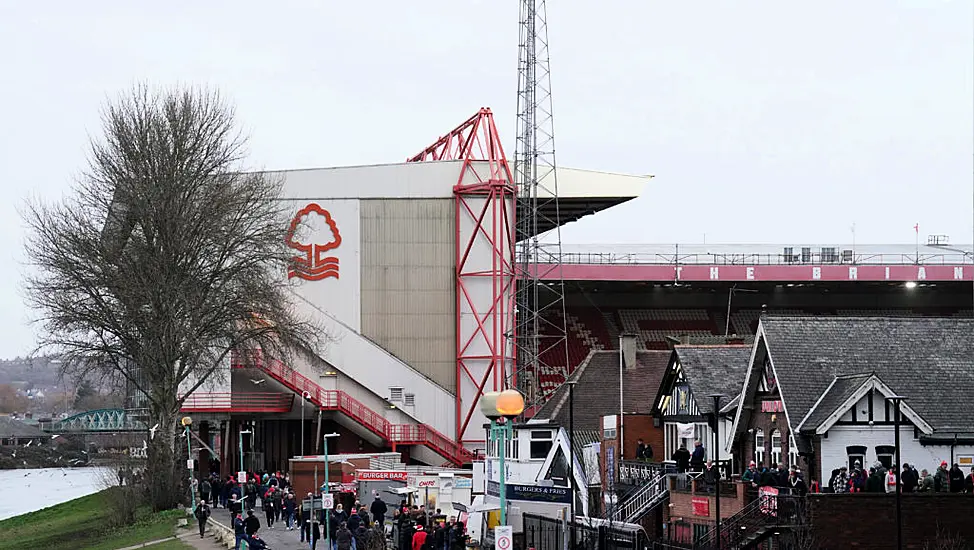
{"x":409,"y":269}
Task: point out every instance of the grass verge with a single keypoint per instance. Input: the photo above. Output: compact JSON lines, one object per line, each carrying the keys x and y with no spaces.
{"x":84,"y":523}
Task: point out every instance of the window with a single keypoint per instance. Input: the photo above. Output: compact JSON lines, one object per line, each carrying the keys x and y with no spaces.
{"x":884,"y":454}
{"x":494,"y":445}
{"x":759,"y":446}
{"x":540,"y":444}
{"x":512,"y":446}
{"x":856,"y":454}
{"x":776,"y":447}
{"x":792,"y":451}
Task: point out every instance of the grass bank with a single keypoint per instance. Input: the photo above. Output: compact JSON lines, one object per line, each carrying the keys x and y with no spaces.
{"x":84,"y":523}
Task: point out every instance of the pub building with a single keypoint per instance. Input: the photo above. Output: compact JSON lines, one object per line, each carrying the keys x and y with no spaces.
{"x":817,"y":388}
{"x":683,"y":402}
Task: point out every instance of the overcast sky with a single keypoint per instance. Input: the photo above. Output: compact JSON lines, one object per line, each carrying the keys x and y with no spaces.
{"x":763,"y":121}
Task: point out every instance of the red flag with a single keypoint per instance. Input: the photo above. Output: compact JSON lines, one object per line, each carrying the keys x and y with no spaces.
{"x":917,"y":228}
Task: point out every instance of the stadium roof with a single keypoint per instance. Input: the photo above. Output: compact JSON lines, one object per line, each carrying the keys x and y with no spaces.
{"x":580,"y":192}
{"x":763,"y":253}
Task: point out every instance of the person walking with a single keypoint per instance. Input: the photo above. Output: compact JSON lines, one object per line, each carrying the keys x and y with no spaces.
{"x":202,"y":513}
{"x":378,"y":510}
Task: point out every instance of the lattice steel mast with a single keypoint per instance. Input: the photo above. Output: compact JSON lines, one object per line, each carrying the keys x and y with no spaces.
{"x":541,"y":336}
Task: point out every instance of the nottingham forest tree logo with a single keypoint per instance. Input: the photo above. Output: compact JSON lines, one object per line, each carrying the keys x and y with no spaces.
{"x":313,"y":232}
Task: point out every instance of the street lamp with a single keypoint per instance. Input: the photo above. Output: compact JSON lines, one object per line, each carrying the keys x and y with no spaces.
{"x":304,"y":397}
{"x":187,"y":422}
{"x":327,"y":514}
{"x":507,"y":405}
{"x":896,"y":400}
{"x":243,"y":486}
{"x":716,"y":397}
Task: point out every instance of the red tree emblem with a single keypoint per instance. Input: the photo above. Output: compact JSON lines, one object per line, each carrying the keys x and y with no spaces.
{"x":319,"y":234}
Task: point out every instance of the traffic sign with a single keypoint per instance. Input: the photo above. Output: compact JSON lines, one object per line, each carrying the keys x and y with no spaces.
{"x":328,"y":501}
{"x":242,"y":477}
{"x":504,"y":537}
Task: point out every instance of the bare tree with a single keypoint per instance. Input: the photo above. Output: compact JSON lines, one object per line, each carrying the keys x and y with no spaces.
{"x":164,"y":258}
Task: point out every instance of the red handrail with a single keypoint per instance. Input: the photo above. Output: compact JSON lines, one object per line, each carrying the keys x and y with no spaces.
{"x":337,"y":400}
{"x":238,"y":402}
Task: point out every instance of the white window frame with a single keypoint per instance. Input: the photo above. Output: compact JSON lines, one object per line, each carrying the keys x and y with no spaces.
{"x":759,"y":446}
{"x":792,"y":451}
{"x":776,"y":450}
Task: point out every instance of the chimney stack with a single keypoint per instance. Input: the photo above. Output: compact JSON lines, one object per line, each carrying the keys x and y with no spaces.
{"x":628,"y":350}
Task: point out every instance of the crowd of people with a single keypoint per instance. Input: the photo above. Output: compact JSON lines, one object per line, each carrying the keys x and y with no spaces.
{"x":414,"y":528}
{"x":359,"y":528}
{"x":277,"y":502}
{"x":879,"y":479}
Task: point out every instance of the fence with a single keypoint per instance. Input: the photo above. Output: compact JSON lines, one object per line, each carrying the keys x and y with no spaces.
{"x":544,"y":533}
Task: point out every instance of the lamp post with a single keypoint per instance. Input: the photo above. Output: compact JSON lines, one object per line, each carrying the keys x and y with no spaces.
{"x":243,"y":486}
{"x":187,"y":422}
{"x":304,"y":397}
{"x":326,"y":519}
{"x":897,"y":399}
{"x":506,"y":405}
{"x":716,"y":397}
{"x":571,"y":459}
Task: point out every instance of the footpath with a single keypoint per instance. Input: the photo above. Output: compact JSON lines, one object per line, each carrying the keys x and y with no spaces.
{"x":277,"y":538}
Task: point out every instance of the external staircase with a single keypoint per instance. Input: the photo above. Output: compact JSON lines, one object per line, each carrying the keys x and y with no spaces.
{"x":643,"y":500}
{"x":763,"y":517}
{"x":343,"y":403}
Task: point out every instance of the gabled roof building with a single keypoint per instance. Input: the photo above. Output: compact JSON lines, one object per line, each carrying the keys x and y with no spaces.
{"x":684,"y":403}
{"x":817,"y":389}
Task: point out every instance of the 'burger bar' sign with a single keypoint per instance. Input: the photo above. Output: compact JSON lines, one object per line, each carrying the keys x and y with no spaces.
{"x":380,"y":475}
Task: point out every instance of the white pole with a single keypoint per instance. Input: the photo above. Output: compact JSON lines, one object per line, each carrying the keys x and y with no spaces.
{"x":622,"y":439}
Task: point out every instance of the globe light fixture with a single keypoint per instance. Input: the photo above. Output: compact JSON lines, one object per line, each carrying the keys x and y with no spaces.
{"x":510,"y":403}
{"x":488,"y":404}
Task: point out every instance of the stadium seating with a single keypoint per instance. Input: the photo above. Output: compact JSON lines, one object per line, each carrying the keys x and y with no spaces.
{"x":654,"y":325}
{"x":592,"y":328}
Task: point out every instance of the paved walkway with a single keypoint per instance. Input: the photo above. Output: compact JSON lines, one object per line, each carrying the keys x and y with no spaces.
{"x":279,"y":538}
{"x":151,"y":543}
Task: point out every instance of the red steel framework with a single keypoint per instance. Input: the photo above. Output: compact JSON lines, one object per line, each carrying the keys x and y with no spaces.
{"x":484,"y":194}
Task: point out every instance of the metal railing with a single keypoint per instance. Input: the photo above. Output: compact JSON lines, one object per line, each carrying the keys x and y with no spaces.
{"x":715,"y":258}
{"x":637,"y":472}
{"x":765,"y":513}
{"x":337,"y":400}
{"x":241,"y":402}
{"x":546,"y":533}
{"x":642,"y":501}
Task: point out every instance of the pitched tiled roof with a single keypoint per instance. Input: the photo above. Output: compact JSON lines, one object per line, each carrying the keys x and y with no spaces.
{"x":926,"y":359}
{"x":713,"y":370}
{"x":15,"y":428}
{"x":597,"y":389}
{"x":841,"y":390}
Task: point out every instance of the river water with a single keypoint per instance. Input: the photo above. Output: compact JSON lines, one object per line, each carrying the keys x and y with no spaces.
{"x":32,"y":490}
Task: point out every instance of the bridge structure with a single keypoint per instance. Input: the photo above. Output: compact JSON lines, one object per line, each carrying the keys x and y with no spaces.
{"x":96,"y":421}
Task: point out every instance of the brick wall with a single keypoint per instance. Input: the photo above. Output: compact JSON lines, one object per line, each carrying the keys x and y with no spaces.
{"x":769,"y":422}
{"x":641,"y":426}
{"x":681,"y":505}
{"x":637,"y":426}
{"x":867,"y":521}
